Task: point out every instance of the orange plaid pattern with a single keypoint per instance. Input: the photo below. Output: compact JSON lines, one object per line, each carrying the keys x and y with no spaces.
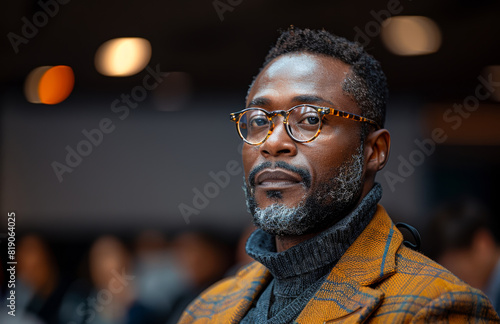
{"x":377,"y":280}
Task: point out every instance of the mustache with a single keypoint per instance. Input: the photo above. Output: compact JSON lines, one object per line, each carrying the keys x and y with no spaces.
{"x":303,"y":173}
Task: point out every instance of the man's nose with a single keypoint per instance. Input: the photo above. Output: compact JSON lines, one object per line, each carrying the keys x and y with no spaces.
{"x":279,"y":142}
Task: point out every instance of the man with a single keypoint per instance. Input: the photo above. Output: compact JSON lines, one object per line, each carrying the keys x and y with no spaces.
{"x":325,"y":251}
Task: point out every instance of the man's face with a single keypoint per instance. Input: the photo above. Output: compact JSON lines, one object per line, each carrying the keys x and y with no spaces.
{"x":298,"y":188}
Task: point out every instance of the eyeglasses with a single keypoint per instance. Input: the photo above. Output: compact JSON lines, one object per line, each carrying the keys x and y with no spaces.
{"x":302,"y":123}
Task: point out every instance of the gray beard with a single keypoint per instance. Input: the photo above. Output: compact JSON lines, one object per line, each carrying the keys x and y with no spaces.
{"x":329,"y":204}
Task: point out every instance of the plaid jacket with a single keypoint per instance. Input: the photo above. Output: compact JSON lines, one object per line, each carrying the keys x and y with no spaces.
{"x":377,"y":280}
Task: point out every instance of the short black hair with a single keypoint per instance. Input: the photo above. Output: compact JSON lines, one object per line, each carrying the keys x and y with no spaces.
{"x":367,"y":83}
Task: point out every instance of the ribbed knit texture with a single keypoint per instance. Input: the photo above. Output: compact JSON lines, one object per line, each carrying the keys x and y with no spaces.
{"x":299,"y":271}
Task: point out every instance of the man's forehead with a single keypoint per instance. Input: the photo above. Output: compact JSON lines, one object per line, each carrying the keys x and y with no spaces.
{"x":300,"y":76}
{"x":295,"y":64}
{"x":301,"y":64}
{"x":303,"y":99}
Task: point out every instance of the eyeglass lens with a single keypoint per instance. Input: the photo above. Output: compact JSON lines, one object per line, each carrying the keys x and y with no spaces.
{"x":302,"y":125}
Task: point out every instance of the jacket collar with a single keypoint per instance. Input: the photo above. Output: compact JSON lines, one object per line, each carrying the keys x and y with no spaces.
{"x":346,"y":293}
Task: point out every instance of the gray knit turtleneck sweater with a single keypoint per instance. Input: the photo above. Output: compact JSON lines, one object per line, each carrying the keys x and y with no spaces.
{"x":299,"y":271}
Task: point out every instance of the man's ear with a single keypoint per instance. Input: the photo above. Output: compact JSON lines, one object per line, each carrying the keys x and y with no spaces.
{"x":377,"y":147}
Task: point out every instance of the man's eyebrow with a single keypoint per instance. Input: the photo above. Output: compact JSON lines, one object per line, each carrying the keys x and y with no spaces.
{"x":259,"y":102}
{"x":309,"y":99}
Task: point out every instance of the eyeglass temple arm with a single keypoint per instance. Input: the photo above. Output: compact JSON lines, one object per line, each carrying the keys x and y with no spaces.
{"x":343,"y":114}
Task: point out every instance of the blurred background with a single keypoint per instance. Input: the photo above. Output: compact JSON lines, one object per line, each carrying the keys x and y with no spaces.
{"x":119,"y":159}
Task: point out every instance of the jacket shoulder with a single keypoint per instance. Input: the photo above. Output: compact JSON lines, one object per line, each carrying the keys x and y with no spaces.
{"x":415,"y":264}
{"x":428,"y":292}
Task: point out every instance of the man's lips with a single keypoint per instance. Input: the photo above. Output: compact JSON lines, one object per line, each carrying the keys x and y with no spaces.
{"x":277,"y":178}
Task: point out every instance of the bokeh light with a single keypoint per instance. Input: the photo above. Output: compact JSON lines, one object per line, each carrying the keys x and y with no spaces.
{"x":31,"y":84}
{"x":49,"y":84}
{"x":411,"y":35}
{"x":56,"y":84}
{"x":121,"y":57}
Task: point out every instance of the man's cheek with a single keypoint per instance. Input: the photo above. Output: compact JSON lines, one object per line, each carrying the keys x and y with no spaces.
{"x":247,"y":167}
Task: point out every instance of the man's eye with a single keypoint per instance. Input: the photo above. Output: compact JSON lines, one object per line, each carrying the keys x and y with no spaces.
{"x":258,"y":122}
{"x":311,"y":120}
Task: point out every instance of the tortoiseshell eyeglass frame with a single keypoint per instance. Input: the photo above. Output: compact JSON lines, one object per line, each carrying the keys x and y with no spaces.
{"x":322,"y":111}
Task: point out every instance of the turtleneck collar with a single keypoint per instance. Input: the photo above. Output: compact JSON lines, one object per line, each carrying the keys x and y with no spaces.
{"x":303,"y":264}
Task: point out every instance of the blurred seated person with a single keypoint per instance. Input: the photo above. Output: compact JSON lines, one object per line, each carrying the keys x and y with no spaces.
{"x":112,"y":299}
{"x":39,"y":287}
{"x":160,"y":280}
{"x":204,"y":259}
{"x":467,"y":242}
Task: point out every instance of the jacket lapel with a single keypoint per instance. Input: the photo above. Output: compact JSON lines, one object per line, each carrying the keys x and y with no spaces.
{"x":345,"y":296}
{"x":250,"y":282}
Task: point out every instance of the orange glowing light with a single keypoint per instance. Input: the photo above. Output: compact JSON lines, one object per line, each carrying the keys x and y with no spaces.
{"x":49,"y":84}
{"x":56,"y":84}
